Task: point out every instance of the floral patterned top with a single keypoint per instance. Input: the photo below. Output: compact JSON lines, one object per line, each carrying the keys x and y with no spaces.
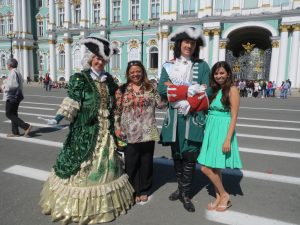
{"x":135,"y":114}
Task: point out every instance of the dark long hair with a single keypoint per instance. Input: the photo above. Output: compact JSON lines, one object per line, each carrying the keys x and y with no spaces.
{"x":177,"y":50}
{"x":145,"y":81}
{"x":225,"y":87}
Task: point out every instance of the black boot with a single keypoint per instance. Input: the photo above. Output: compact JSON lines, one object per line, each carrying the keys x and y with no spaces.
{"x":188,"y":172}
{"x":178,"y":171}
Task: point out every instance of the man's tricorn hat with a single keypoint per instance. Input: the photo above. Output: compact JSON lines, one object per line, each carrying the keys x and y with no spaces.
{"x":100,"y":47}
{"x":187,"y":32}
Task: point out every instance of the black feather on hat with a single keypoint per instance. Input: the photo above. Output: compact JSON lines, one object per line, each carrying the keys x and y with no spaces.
{"x":100,"y":47}
{"x":187,"y":32}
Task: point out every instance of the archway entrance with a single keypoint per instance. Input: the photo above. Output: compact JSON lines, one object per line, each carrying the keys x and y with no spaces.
{"x":249,"y":53}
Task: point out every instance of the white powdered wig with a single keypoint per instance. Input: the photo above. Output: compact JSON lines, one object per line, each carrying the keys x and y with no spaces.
{"x":87,"y":59}
{"x":194,"y":34}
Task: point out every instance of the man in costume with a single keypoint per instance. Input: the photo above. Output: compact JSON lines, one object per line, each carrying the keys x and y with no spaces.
{"x":183,"y":82}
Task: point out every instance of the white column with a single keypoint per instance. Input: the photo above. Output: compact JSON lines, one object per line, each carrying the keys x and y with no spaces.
{"x":174,"y":6}
{"x":294,"y":56}
{"x":103,"y":13}
{"x":83,"y":35}
{"x":16,"y":21}
{"x":83,"y":21}
{"x":67,"y":18}
{"x":274,"y":62}
{"x":159,"y":51}
{"x":216,"y":39}
{"x":68,"y":62}
{"x":282,"y":53}
{"x":26,"y":63}
{"x":52,"y":45}
{"x":165,"y":46}
{"x":166,"y":6}
{"x":24,"y":15}
{"x":222,"y":50}
{"x":206,"y":48}
{"x":51,"y":24}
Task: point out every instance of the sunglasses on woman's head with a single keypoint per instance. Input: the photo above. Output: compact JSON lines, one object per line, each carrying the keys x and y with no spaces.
{"x":134,"y":62}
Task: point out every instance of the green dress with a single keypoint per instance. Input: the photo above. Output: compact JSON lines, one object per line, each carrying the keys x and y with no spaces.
{"x":216,"y":129}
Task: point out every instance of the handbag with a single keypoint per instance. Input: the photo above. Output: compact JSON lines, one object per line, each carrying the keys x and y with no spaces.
{"x":18,"y":95}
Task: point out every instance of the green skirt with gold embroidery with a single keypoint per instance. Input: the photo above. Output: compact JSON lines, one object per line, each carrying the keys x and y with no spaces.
{"x":98,"y":193}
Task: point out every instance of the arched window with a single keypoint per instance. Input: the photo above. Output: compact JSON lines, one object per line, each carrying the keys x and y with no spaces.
{"x":77,"y":61}
{"x":115,"y":61}
{"x":61,"y":60}
{"x":133,"y":54}
{"x":77,"y":15}
{"x":153,"y":57}
{"x":3,"y":61}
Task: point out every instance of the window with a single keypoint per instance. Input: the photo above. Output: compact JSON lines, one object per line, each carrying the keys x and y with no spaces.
{"x":116,"y":11}
{"x":135,"y":8}
{"x":115,"y":62}
{"x":77,"y":60}
{"x":2,"y":27}
{"x":280,"y":2}
{"x":10,"y":25}
{"x":9,"y":2}
{"x":41,"y":65}
{"x":39,"y":3}
{"x":133,"y":54}
{"x":61,"y":17}
{"x":155,"y":9}
{"x":189,"y":7}
{"x":77,"y":15}
{"x":3,"y":61}
{"x":2,"y":2}
{"x":153,"y":58}
{"x":40,"y":28}
{"x":222,"y":5}
{"x":61,"y":60}
{"x":250,"y":4}
{"x":96,"y":13}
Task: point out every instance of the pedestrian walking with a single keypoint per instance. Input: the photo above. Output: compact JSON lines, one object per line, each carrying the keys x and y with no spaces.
{"x":13,"y":95}
{"x":220,"y":148}
{"x":180,"y":82}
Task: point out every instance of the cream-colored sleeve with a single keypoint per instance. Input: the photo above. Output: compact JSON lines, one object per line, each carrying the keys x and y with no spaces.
{"x":69,"y":108}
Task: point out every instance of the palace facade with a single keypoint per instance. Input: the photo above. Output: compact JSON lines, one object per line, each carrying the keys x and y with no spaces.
{"x":259,"y":38}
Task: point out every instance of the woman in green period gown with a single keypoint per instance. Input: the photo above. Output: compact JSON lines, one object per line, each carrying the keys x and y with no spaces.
{"x":87,"y":184}
{"x":220,"y":148}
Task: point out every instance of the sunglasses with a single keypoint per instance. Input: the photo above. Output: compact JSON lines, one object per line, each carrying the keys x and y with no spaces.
{"x":134,"y":62}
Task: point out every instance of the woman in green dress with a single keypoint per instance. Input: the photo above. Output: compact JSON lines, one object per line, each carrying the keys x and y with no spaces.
{"x":87,"y":184}
{"x":220,"y":148}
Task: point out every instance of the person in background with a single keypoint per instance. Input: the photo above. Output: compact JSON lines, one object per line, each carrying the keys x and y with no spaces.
{"x":182,"y":82}
{"x":13,"y":95}
{"x":87,"y":184}
{"x":220,"y":148}
{"x":47,"y":81}
{"x":135,"y":124}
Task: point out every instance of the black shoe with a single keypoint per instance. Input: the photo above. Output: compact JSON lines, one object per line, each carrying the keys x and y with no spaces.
{"x":187,"y":204}
{"x":175,"y":195}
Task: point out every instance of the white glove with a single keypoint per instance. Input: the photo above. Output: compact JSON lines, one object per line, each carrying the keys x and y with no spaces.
{"x":183,"y":106}
{"x":51,"y":121}
{"x":196,"y":89}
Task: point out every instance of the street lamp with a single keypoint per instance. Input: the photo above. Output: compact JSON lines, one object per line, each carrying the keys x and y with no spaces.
{"x":11,"y":36}
{"x":141,"y":25}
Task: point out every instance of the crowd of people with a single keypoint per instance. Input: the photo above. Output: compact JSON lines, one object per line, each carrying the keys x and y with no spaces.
{"x":263,"y":89}
{"x":89,"y":182}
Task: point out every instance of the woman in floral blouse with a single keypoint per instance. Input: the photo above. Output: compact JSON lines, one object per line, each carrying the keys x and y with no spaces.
{"x":135,"y":123}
